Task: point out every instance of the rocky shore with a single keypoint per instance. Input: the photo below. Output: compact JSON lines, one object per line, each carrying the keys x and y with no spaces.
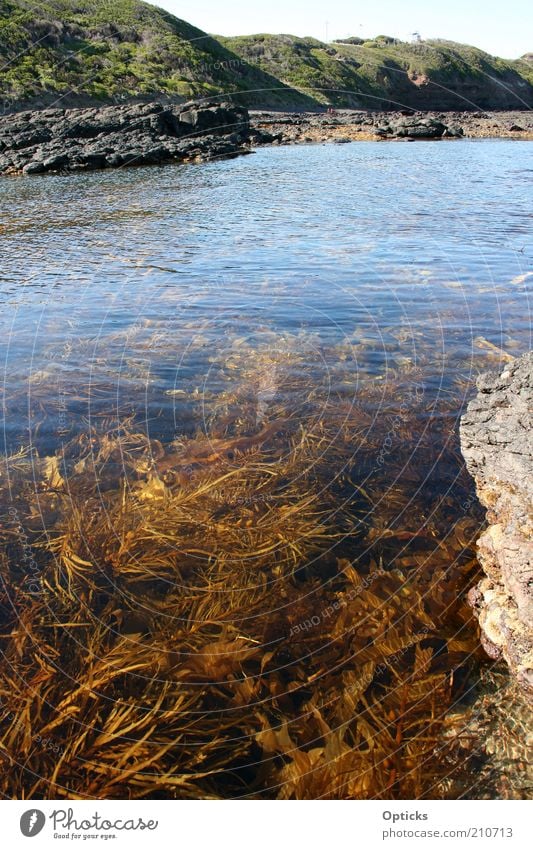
{"x":496,"y":444}
{"x":348,"y":125}
{"x":53,"y":140}
{"x":71,"y":140}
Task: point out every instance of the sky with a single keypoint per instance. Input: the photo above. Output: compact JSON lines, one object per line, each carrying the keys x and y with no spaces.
{"x":504,"y":28}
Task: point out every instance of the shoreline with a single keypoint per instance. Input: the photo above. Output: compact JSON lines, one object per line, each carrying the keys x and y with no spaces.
{"x":345,"y":125}
{"x":52,"y":141}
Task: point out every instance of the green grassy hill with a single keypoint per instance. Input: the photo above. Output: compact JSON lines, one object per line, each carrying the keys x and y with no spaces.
{"x":69,"y":52}
{"x":83,"y":50}
{"x":385,"y":73}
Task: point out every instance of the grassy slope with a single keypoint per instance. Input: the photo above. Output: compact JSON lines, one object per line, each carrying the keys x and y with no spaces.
{"x":376,"y":73}
{"x":117,"y":49}
{"x":310,"y":65}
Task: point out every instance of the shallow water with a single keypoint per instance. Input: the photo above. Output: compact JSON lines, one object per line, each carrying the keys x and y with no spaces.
{"x":348,"y":293}
{"x":392,"y":248}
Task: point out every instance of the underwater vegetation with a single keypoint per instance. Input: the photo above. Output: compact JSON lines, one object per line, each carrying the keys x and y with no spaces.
{"x":269,"y":604}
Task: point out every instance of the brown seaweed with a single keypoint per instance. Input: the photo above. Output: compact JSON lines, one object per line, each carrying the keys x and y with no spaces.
{"x":259,"y":608}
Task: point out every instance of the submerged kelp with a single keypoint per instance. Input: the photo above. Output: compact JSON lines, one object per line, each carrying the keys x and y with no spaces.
{"x":491,"y":738}
{"x":270,"y":604}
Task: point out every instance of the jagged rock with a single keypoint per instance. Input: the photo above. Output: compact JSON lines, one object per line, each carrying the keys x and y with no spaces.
{"x":54,"y":140}
{"x":496,"y":444}
{"x":218,"y":120}
{"x":413,"y":128}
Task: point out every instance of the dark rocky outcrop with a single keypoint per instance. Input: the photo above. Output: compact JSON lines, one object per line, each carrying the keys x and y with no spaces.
{"x":496,"y":443}
{"x":418,"y":128}
{"x":85,"y":139}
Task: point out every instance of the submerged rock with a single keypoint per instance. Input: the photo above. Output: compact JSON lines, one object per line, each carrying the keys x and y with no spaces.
{"x":55,"y":140}
{"x":496,"y":444}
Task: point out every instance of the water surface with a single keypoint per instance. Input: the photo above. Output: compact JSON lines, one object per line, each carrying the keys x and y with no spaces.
{"x":333,"y":300}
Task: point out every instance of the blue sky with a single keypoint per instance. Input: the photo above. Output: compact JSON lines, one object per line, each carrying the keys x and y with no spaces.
{"x":504,"y":28}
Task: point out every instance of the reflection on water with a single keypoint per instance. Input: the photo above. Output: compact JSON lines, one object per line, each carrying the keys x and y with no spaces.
{"x":235,"y":510}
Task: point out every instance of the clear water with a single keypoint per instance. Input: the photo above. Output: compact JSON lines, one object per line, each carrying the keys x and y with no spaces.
{"x":410,"y":251}
{"x":365,"y":284}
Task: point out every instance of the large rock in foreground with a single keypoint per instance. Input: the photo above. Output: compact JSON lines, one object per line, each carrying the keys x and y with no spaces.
{"x":496,"y":444}
{"x":55,"y":140}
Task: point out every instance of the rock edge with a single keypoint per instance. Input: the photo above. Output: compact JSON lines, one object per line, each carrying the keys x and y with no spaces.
{"x":70,"y":140}
{"x":496,"y":444}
